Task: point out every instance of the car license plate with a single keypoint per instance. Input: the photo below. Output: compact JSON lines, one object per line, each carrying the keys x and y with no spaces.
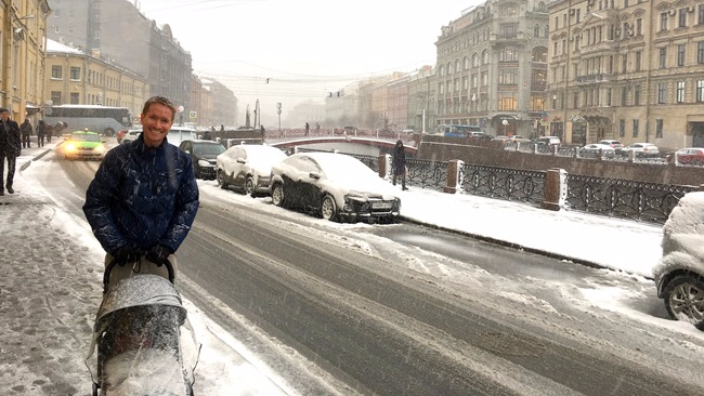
{"x":381,"y":205}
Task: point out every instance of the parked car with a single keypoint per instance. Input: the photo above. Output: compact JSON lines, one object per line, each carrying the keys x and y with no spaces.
{"x":615,"y":144}
{"x":203,"y":155}
{"x":518,"y":139}
{"x":130,"y":135}
{"x":690,"y":155}
{"x":501,"y":138}
{"x":247,"y":167}
{"x":642,"y":150}
{"x":84,"y":145}
{"x":548,"y":141}
{"x":336,"y":187}
{"x":593,"y":150}
{"x":679,"y":275}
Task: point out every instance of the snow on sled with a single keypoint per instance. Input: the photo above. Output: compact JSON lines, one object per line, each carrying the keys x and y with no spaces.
{"x":145,"y":344}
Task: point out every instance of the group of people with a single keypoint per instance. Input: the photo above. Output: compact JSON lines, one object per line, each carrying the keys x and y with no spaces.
{"x":44,"y":130}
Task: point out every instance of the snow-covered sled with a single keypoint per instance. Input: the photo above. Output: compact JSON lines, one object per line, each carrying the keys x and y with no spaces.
{"x":145,"y":344}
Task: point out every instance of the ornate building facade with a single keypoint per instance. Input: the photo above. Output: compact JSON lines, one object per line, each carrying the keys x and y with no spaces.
{"x":492,"y":67}
{"x":627,"y":70}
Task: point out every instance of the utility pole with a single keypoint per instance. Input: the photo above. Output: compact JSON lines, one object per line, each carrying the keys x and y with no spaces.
{"x":278,"y":111}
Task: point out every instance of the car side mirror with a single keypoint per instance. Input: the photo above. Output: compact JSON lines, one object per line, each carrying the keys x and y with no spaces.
{"x":241,"y":160}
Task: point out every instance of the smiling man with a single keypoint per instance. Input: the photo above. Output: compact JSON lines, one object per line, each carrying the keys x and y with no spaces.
{"x":144,"y":197}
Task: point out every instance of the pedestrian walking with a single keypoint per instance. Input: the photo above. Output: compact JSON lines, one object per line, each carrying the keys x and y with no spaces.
{"x":10,"y":148}
{"x":26,"y":130}
{"x":398,"y":164}
{"x":41,"y":132}
{"x":143,"y":199}
{"x":307,"y":129}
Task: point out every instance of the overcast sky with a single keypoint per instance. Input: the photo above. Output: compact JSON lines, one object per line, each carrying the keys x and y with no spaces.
{"x":305,"y":47}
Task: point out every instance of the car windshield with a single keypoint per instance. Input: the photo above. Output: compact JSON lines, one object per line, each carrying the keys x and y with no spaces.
{"x":208,"y":149}
{"x":85,"y":137}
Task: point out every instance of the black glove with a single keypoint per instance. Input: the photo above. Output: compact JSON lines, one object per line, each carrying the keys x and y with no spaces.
{"x":126,"y":254}
{"x":159,"y":254}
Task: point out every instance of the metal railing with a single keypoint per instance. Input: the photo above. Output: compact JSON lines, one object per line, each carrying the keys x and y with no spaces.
{"x":508,"y":184}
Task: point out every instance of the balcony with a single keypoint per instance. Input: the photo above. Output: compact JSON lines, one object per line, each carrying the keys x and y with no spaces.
{"x":592,"y":78}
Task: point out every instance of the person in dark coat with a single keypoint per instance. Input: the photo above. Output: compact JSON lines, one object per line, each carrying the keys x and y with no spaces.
{"x":10,"y":148}
{"x":41,"y":132}
{"x":144,"y":197}
{"x":26,"y":130}
{"x":398,"y":164}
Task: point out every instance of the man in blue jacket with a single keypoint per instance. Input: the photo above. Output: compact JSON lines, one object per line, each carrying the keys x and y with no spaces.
{"x":144,"y":197}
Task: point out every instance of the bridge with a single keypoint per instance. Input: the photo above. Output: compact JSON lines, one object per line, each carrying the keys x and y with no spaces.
{"x":382,"y":140}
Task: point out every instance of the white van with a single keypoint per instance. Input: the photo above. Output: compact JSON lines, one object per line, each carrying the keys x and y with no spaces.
{"x":177,"y":134}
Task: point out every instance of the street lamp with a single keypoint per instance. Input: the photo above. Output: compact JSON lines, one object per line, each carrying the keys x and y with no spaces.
{"x":504,"y":123}
{"x":278,"y":111}
{"x":180,"y":114}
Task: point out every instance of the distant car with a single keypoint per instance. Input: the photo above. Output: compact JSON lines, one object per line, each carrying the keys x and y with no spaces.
{"x":501,"y":138}
{"x":592,"y":150}
{"x":690,"y":156}
{"x":615,"y":144}
{"x":130,"y":135}
{"x":203,"y":155}
{"x":548,"y":141}
{"x":84,"y":145}
{"x":642,"y":150}
{"x":679,"y":275}
{"x":336,"y":187}
{"x":518,"y":139}
{"x":248,"y":167}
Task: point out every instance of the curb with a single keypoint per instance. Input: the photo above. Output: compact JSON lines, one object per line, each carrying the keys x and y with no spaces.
{"x":517,"y":246}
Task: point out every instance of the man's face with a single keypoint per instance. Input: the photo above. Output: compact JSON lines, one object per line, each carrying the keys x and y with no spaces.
{"x":5,"y":115}
{"x":156,"y":123}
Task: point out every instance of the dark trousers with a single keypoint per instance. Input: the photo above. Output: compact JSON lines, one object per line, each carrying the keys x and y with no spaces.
{"x":403,"y":179}
{"x":10,"y":169}
{"x":26,"y":142}
{"x":40,"y":140}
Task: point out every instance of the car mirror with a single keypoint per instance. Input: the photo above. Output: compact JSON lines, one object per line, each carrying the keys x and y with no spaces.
{"x":314,"y":175}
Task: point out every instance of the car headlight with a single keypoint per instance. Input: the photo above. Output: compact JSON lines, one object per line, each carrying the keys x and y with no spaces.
{"x":205,"y":164}
{"x":100,"y":148}
{"x":70,"y":147}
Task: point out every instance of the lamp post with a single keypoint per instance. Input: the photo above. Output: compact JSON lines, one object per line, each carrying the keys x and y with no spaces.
{"x":180,"y":115}
{"x":278,"y":111}
{"x":504,"y":123}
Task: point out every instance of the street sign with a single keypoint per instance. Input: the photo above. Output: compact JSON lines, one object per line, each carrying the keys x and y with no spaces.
{"x":192,"y":114}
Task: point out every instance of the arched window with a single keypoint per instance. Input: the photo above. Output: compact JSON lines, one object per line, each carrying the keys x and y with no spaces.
{"x":442,"y":71}
{"x":475,"y":60}
{"x":545,"y":31}
{"x":536,"y":30}
{"x":449,"y":68}
{"x":485,"y":57}
{"x":466,"y":63}
{"x":458,"y":67}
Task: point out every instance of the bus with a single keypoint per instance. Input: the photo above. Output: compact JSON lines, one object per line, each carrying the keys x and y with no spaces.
{"x":96,"y":118}
{"x":460,"y":130}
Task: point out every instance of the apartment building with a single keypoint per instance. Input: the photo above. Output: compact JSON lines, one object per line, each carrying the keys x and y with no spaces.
{"x":491,"y":68}
{"x":75,"y":77}
{"x":22,"y":56}
{"x":631,"y":70}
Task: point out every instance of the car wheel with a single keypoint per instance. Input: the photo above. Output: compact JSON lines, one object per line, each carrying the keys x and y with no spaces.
{"x":684,"y":299}
{"x":249,"y":187}
{"x":328,"y":209}
{"x":220,"y":176}
{"x":277,"y":194}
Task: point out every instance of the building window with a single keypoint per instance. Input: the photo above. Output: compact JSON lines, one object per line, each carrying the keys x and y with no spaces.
{"x":663,"y":21}
{"x":636,"y":124}
{"x":441,"y":87}
{"x":663,"y":57}
{"x":624,"y":63}
{"x":680,"y":91}
{"x":680,"y":54}
{"x":74,"y":98}
{"x":624,"y":95}
{"x":575,"y":100}
{"x":508,"y":55}
{"x":508,"y":76}
{"x":639,"y":26}
{"x":75,"y":73}
{"x":700,"y":91}
{"x":608,"y":97}
{"x":682,"y":20}
{"x":508,"y":101}
{"x":485,"y":57}
{"x":466,"y":63}
{"x":636,"y":95}
{"x":56,"y":98}
{"x":638,"y":60}
{"x":700,"y":52}
{"x":658,"y":128}
{"x":662,"y":90}
{"x":56,"y":72}
{"x":621,"y":128}
{"x":700,"y":15}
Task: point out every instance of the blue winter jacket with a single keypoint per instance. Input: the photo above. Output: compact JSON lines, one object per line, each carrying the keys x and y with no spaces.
{"x":142,"y":196}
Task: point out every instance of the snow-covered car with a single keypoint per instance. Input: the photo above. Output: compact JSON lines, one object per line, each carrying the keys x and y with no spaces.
{"x":679,"y":275}
{"x":615,"y":144}
{"x":247,"y":167}
{"x":203,"y":155}
{"x":690,"y":156}
{"x":335,"y":186}
{"x":593,"y":150}
{"x":642,"y":150}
